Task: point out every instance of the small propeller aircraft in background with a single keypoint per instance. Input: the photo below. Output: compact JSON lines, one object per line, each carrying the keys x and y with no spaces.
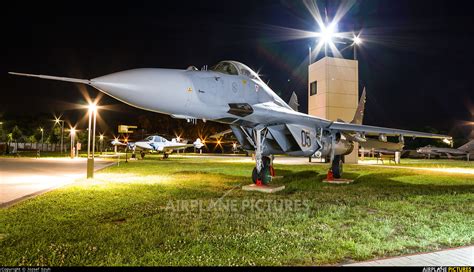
{"x":156,"y":143}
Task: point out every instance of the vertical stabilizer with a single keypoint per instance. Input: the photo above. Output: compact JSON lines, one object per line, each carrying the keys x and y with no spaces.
{"x":467,"y":147}
{"x":359,"y":114}
{"x":293,"y":103}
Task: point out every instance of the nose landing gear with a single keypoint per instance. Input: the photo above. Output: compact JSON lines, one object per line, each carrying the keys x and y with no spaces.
{"x":264,"y":176}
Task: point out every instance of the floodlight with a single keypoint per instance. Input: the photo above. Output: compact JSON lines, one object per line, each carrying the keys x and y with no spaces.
{"x":357,"y":40}
{"x":73,"y":131}
{"x":92,"y":107}
{"x":327,"y":33}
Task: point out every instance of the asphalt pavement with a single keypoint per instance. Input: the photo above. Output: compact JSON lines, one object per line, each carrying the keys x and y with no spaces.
{"x":22,"y":178}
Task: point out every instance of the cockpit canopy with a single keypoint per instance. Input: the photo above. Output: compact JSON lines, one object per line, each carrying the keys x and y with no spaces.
{"x":231,"y":67}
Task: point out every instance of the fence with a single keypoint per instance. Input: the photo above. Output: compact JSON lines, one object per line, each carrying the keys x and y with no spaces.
{"x":35,"y":146}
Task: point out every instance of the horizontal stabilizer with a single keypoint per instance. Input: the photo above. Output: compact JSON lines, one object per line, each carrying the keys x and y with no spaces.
{"x":68,"y":79}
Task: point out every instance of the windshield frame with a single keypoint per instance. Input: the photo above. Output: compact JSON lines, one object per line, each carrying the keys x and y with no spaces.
{"x":241,"y":69}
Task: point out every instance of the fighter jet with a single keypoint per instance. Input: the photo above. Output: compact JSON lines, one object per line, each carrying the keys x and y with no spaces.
{"x":156,"y":143}
{"x":462,"y":151}
{"x":232,"y":93}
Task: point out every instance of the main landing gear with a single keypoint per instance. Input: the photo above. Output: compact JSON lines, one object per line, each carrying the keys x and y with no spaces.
{"x":336,"y":166}
{"x":165,"y":156}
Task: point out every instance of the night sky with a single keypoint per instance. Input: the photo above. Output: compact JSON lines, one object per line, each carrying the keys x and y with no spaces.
{"x":416,"y":60}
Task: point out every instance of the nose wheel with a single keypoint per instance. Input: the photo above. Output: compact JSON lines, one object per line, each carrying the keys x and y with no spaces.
{"x":264,"y":176}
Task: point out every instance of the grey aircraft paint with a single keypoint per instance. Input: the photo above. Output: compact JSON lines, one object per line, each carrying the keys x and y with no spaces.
{"x":463,"y":151}
{"x":232,"y":93}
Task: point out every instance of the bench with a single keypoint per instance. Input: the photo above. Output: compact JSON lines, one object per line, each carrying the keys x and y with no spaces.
{"x":389,"y":157}
{"x":20,"y":150}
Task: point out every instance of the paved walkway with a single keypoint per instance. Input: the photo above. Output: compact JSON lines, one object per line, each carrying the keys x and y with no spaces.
{"x":21,"y":178}
{"x":463,"y":256}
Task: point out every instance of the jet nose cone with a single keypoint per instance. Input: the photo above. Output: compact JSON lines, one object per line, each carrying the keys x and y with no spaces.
{"x":148,"y":88}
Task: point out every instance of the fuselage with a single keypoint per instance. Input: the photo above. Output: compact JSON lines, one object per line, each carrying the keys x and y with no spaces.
{"x":229,"y":93}
{"x":191,"y":94}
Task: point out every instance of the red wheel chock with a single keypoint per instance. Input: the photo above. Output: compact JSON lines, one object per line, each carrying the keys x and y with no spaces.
{"x":272,"y":171}
{"x":258,"y":182}
{"x":330,"y":175}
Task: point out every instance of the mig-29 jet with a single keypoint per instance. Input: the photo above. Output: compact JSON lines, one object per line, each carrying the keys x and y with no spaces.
{"x":232,"y":93}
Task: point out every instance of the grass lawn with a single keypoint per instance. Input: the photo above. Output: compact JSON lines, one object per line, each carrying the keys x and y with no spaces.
{"x":125,"y":216}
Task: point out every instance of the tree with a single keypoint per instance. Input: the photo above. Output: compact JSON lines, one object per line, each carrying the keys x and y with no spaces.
{"x":8,"y":139}
{"x":55,"y":135}
{"x":3,"y":134}
{"x":16,"y":135}
{"x":31,"y":139}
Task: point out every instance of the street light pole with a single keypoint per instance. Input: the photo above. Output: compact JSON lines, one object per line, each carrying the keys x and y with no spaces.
{"x":62,"y":136}
{"x":101,"y":140}
{"x":93,"y":134}
{"x":41,"y":129}
{"x":90,"y":159}
{"x":73,"y":133}
{"x":309,"y":57}
{"x":59,"y":121}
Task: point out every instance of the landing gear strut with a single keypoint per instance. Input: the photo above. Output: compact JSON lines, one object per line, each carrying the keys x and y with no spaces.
{"x":165,"y":155}
{"x":263,"y":171}
{"x":336,"y":166}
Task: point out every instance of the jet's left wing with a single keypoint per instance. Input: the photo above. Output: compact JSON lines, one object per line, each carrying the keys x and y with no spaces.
{"x":372,"y":130}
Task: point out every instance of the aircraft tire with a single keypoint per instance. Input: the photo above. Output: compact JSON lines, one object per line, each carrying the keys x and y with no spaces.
{"x":264,"y":176}
{"x":336,"y":166}
{"x":255,"y":175}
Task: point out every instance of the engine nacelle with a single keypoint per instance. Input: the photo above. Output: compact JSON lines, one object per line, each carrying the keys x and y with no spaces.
{"x":341,"y":147}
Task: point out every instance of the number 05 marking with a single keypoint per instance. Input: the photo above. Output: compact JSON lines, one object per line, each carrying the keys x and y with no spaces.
{"x":305,"y":138}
